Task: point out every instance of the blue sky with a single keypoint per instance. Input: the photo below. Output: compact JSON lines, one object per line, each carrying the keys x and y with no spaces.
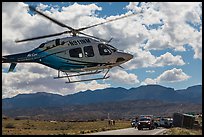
{"x":166,"y":43}
{"x":119,"y":7}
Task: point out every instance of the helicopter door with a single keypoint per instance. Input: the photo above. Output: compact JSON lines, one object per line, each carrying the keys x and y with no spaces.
{"x":88,"y":51}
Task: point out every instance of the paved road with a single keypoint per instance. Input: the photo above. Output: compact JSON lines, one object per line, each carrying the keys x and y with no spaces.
{"x":131,"y":131}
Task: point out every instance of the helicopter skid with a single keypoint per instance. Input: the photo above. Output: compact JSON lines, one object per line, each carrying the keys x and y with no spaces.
{"x":88,"y":79}
{"x":82,"y":74}
{"x":77,"y":75}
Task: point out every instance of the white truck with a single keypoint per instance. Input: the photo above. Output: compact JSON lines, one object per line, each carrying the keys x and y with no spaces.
{"x":163,"y":122}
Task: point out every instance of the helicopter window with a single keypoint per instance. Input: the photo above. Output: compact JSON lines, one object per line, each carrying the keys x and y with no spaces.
{"x":57,"y":42}
{"x":76,"y":53}
{"x":42,"y":45}
{"x":62,"y":43}
{"x":88,"y":50}
{"x":104,"y":50}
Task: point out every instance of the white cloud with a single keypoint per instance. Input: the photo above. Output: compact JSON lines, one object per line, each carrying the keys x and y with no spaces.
{"x":14,"y":83}
{"x":173,"y":75}
{"x":195,"y":43}
{"x":144,"y":59}
{"x":149,"y":81}
{"x":175,"y":31}
{"x":168,"y":76}
{"x":141,"y":59}
{"x":93,"y":85}
{"x":29,"y":82}
{"x":168,"y":59}
{"x":121,"y":76}
{"x":42,"y":6}
{"x":133,"y":6}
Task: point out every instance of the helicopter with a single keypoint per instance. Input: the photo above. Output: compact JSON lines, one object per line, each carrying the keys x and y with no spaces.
{"x":74,"y":56}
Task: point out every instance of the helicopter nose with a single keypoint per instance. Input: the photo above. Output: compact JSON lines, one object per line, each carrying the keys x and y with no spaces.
{"x":125,"y":57}
{"x":128,"y":57}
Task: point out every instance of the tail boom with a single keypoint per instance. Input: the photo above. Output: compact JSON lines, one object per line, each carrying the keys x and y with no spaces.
{"x":14,"y":59}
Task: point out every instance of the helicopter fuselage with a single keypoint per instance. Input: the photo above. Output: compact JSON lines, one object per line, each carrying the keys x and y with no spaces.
{"x":72,"y":54}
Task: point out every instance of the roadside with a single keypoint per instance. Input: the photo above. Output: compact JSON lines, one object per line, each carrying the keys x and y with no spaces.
{"x":183,"y":131}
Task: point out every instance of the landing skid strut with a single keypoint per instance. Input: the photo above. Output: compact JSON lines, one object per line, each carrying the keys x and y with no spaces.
{"x":82,"y":74}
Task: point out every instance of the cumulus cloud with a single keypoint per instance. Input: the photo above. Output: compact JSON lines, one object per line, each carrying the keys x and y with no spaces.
{"x":42,"y":6}
{"x":144,"y":59}
{"x":149,"y":81}
{"x":141,"y":59}
{"x":173,"y":75}
{"x":27,"y":82}
{"x":168,"y":59}
{"x":121,"y":76}
{"x":175,"y":31}
{"x":93,"y":85}
{"x":168,"y":76}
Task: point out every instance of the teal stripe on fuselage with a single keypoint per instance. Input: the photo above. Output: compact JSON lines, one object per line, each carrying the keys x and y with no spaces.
{"x":58,"y":63}
{"x":55,"y":62}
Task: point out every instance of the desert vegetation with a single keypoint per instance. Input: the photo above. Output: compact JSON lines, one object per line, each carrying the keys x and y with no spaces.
{"x":35,"y":127}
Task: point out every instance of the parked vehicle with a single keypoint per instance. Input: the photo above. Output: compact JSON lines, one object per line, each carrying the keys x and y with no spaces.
{"x":163,"y":122}
{"x":145,"y":122}
{"x":133,"y":123}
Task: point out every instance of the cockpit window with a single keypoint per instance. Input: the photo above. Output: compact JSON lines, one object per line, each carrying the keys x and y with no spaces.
{"x":104,"y":50}
{"x":112,"y":48}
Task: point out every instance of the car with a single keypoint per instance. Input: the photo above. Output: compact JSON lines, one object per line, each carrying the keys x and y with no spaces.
{"x":168,"y":122}
{"x":133,"y":123}
{"x":163,"y":122}
{"x":145,"y":123}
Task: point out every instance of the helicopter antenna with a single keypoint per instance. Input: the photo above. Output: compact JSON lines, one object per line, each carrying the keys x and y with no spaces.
{"x":73,"y":31}
{"x":110,"y":40}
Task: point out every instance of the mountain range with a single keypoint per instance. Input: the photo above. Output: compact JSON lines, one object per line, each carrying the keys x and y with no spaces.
{"x":150,"y":92}
{"x":104,"y":100}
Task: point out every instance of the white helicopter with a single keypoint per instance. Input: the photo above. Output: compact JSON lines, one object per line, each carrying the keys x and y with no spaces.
{"x":79,"y":55}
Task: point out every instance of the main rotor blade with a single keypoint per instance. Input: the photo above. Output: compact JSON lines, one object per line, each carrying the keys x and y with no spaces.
{"x":80,"y":29}
{"x":93,"y":37}
{"x":41,"y":37}
{"x":53,"y":20}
